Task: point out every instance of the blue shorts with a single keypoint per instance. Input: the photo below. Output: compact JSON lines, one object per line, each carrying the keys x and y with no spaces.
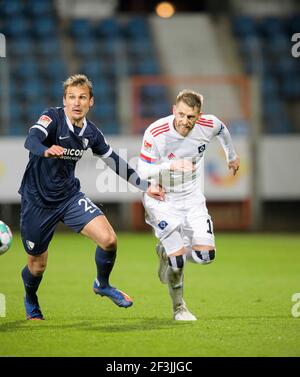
{"x":38,"y":224}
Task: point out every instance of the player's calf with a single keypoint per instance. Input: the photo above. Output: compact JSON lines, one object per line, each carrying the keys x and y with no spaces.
{"x":202,"y":256}
{"x":177,"y":261}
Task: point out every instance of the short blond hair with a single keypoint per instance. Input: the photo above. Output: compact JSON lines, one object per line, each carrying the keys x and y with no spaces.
{"x":78,"y":80}
{"x":191,"y":98}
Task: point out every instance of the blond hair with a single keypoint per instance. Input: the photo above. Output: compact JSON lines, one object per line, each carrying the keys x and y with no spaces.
{"x":78,"y":80}
{"x":191,"y":98}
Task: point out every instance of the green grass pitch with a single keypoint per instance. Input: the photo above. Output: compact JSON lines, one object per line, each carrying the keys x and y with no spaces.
{"x":243,"y":301}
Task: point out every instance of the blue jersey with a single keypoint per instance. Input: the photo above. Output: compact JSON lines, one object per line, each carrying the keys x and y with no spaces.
{"x":49,"y":182}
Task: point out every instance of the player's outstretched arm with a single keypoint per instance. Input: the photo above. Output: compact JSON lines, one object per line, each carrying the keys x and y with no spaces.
{"x":124,"y":170}
{"x":149,"y":171}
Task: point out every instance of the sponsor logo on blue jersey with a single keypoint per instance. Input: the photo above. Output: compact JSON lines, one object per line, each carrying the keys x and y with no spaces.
{"x":72,"y":154}
{"x":163,"y":224}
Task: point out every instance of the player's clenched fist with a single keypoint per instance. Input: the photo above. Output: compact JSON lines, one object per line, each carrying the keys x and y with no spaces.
{"x":54,"y":151}
{"x":156,"y":192}
{"x":234,"y":165}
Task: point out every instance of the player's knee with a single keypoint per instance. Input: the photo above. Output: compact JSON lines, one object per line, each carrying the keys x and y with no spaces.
{"x":37,"y":264}
{"x":37,"y":269}
{"x":203,"y":256}
{"x":109,"y":241}
{"x":177,"y":262}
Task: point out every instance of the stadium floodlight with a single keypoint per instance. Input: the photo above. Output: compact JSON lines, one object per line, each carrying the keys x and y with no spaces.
{"x":2,"y":46}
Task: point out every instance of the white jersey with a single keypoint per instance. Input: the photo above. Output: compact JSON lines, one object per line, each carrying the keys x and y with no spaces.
{"x":162,"y":144}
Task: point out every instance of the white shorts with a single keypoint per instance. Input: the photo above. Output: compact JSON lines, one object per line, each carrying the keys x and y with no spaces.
{"x":193,"y":222}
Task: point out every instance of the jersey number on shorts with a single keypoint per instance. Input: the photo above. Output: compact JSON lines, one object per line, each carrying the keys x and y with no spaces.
{"x":88,"y":205}
{"x":209,"y":227}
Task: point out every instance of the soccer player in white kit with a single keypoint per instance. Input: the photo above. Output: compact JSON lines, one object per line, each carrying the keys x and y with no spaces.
{"x":172,"y":156}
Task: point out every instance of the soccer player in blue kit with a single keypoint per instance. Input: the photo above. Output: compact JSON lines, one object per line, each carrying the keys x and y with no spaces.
{"x":50,"y":192}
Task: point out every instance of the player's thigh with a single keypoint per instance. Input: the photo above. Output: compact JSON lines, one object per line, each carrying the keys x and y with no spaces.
{"x":162,"y":216}
{"x":37,"y":226}
{"x":101,"y":232}
{"x":79,"y":211}
{"x":199,"y":228}
{"x":83,"y":216}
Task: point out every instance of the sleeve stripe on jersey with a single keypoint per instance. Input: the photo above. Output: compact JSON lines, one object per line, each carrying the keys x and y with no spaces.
{"x":160,"y":131}
{"x":201,"y":119}
{"x":40,"y":128}
{"x":205,"y":123}
{"x":107,"y":154}
{"x":157,"y":128}
{"x":149,"y":160}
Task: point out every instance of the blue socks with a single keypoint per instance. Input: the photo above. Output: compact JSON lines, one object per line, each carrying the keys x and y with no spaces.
{"x":105,"y":261}
{"x":31,"y":284}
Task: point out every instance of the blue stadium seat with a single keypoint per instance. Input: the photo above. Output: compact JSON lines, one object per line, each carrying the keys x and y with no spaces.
{"x":147,"y":67}
{"x":25,"y":69}
{"x":34,"y":109}
{"x":278,"y":46}
{"x":244,"y":26}
{"x":140,"y":48}
{"x":54,"y":93}
{"x":38,"y":8}
{"x":273,"y":107}
{"x":20,"y":48}
{"x":277,"y":124}
{"x":136,"y":27}
{"x":16,"y":112}
{"x":161,"y":108}
{"x":105,"y":109}
{"x":81,"y":29}
{"x":98,"y":68}
{"x":33,"y":89}
{"x":293,"y":24}
{"x":291,"y":88}
{"x":85,"y":48}
{"x":280,"y":71}
{"x":276,"y":120}
{"x":104,"y":89}
{"x":17,"y":27}
{"x":157,"y":109}
{"x":153,"y":91}
{"x":105,"y":119}
{"x":107,"y":29}
{"x":45,"y":27}
{"x":53,"y":70}
{"x":109,"y":47}
{"x":92,"y":68}
{"x":11,"y":9}
{"x":110,"y":127}
{"x":270,"y":87}
{"x":270,"y":27}
{"x":48,"y":48}
{"x":287,"y":66}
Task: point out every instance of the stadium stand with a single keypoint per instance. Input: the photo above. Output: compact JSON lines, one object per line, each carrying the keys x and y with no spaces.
{"x":265,"y":48}
{"x":43,"y":49}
